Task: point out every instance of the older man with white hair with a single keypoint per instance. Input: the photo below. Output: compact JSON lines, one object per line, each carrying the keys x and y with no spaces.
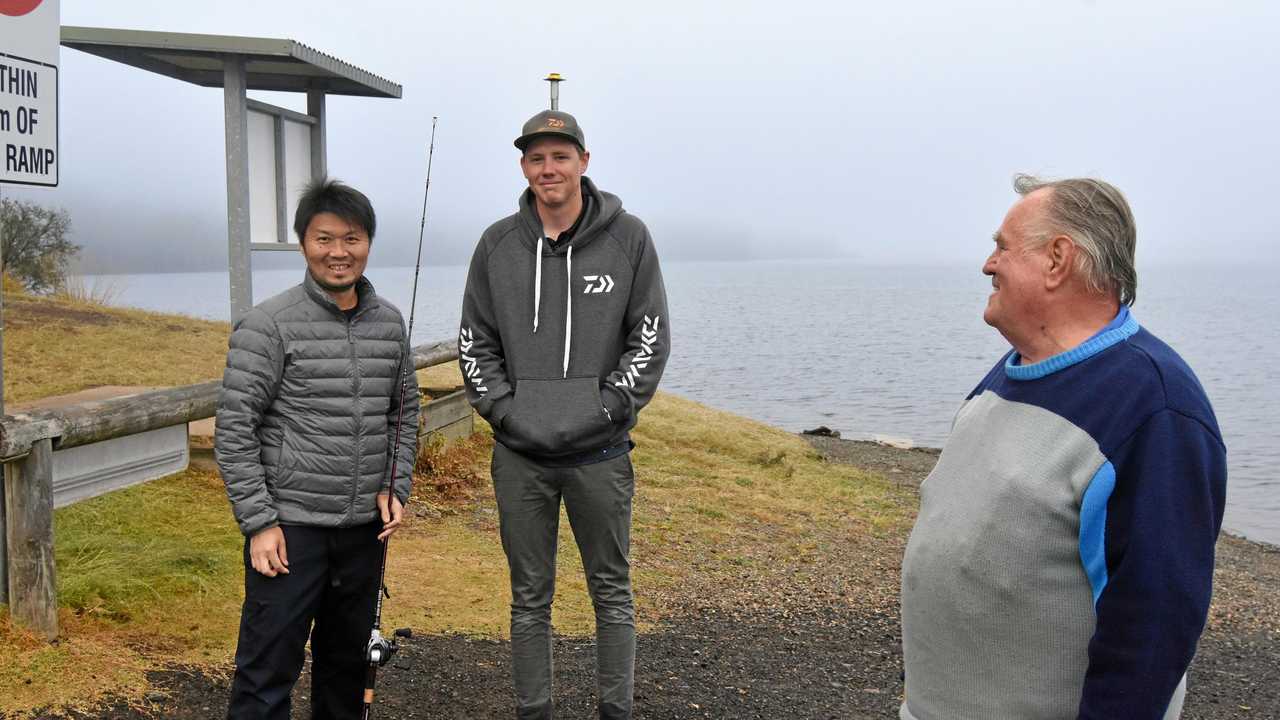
{"x":1062,"y":562}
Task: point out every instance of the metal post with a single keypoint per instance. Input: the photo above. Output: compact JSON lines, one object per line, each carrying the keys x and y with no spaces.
{"x":319,"y":150}
{"x":33,"y":583}
{"x":1,"y":353}
{"x":555,"y":80}
{"x":282,"y":198}
{"x":237,"y":126}
{"x":4,"y":476}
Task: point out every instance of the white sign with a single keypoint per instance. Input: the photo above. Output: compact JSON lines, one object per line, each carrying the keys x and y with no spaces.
{"x":276,"y":174}
{"x":29,"y":43}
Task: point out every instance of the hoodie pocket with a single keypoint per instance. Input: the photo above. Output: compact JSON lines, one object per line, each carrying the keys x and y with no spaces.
{"x":556,"y":417}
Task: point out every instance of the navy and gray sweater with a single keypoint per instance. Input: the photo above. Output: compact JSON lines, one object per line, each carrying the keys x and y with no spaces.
{"x":561,"y":344}
{"x":1062,"y":562}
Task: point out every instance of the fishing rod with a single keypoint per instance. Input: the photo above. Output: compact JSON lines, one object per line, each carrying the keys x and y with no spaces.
{"x":379,"y":650}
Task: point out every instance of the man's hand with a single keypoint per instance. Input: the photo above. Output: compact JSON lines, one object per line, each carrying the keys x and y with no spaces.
{"x":267,"y":552}
{"x":392,"y":513}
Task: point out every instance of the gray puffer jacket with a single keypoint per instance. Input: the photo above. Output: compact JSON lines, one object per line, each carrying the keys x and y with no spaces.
{"x":307,"y":412}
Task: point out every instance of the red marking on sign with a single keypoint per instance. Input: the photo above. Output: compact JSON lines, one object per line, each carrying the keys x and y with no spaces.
{"x":15,"y":8}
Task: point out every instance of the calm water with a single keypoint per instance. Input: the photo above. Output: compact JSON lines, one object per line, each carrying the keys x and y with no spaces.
{"x":874,"y":351}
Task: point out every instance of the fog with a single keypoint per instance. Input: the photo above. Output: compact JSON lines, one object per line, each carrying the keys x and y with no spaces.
{"x":882,"y":132}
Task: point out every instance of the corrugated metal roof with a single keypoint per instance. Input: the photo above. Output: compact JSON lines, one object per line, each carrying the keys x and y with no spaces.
{"x":270,"y":63}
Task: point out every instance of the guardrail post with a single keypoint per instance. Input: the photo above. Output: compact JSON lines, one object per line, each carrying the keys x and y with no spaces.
{"x":33,"y":586}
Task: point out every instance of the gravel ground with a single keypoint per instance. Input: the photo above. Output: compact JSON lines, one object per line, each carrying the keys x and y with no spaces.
{"x":820,"y":641}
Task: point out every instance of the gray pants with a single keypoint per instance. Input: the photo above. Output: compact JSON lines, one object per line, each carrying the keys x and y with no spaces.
{"x":597,"y":499}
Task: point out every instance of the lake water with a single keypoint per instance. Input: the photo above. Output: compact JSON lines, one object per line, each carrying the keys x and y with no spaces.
{"x":886,"y":351}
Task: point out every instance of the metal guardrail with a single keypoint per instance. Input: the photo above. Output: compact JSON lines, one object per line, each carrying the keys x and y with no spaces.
{"x":27,"y":444}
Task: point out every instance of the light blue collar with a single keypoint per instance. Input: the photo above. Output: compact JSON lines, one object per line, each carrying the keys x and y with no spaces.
{"x":1118,"y":330}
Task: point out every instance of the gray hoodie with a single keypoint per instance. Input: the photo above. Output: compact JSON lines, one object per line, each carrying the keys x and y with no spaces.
{"x":561,"y":347}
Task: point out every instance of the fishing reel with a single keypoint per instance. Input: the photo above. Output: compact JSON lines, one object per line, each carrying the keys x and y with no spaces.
{"x":380,"y":649}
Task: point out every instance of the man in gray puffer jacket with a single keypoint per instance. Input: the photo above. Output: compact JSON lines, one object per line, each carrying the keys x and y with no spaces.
{"x":563,"y":341}
{"x":306,"y":424}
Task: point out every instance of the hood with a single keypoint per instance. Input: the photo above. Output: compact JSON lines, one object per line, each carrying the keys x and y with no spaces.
{"x":602,"y":209}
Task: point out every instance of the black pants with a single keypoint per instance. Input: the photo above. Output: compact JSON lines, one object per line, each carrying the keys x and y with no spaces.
{"x":332,"y":581}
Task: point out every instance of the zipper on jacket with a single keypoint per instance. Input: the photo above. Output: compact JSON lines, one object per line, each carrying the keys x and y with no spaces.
{"x":358,"y":417}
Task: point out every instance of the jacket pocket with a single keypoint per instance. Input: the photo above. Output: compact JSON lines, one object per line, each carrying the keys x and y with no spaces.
{"x":288,"y":458}
{"x":556,"y":417}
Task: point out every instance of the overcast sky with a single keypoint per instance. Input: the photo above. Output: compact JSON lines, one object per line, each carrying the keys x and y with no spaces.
{"x":886,"y":132}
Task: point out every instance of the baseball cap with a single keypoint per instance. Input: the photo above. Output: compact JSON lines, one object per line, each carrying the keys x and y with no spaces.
{"x":551,"y":123}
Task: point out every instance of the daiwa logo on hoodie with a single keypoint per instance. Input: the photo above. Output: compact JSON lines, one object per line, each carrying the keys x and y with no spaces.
{"x":598,"y":284}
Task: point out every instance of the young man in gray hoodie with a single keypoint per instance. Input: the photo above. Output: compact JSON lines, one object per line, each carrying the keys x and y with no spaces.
{"x":562,"y":342}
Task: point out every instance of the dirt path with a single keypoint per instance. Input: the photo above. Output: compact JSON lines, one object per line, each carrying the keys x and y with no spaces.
{"x":818,"y":641}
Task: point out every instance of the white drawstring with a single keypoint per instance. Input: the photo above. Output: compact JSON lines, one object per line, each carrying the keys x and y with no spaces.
{"x":537,"y":284}
{"x":568,"y":307}
{"x":568,"y":310}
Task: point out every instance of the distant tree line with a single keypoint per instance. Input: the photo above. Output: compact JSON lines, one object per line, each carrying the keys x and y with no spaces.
{"x":37,"y":252}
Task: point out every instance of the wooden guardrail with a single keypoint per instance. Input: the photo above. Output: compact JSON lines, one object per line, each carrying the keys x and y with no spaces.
{"x":27,"y":444}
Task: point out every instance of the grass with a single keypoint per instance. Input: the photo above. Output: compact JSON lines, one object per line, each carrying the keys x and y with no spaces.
{"x":128,"y":551}
{"x":60,"y":345}
{"x":143,"y":573}
{"x":80,"y":290}
{"x":152,"y":575}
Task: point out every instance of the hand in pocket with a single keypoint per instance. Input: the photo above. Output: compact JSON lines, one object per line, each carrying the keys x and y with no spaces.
{"x":557,"y":416}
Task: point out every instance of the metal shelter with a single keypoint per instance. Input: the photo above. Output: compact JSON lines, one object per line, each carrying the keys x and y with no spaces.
{"x":239,"y":64}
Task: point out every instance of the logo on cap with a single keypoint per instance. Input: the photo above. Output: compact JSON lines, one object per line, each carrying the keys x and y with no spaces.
{"x":555,"y":123}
